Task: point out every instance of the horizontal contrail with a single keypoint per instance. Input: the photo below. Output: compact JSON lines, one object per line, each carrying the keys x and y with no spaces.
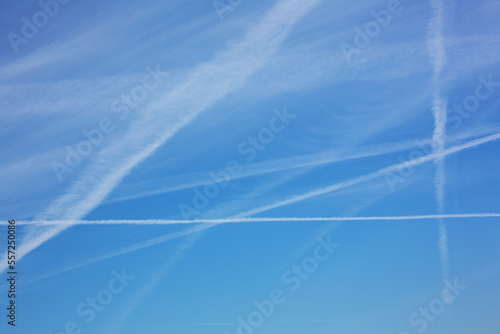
{"x":254,"y":220}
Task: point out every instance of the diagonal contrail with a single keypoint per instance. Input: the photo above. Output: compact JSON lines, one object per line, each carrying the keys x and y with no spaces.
{"x":373,"y":175}
{"x":125,"y":250}
{"x":302,"y":161}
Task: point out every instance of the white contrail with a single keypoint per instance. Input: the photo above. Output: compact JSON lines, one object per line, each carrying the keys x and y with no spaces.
{"x":435,"y":38}
{"x":373,"y":175}
{"x":255,"y":220}
{"x":165,"y":185}
{"x":203,"y":86}
{"x":310,"y":160}
{"x":437,"y":52}
{"x":125,"y":250}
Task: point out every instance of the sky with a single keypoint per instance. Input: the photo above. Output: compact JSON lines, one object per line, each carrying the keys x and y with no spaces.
{"x":250,"y":167}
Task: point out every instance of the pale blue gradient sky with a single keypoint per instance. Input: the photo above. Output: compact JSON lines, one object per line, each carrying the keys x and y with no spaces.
{"x":213,"y":85}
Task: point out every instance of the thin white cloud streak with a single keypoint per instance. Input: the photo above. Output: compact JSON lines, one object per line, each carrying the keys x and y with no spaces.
{"x":256,"y":220}
{"x":272,"y":166}
{"x":162,"y":119}
{"x":153,"y":282}
{"x":373,"y":175}
{"x":125,"y":250}
{"x":313,"y":160}
{"x":436,"y":47}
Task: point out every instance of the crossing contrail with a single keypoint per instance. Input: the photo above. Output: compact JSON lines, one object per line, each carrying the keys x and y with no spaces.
{"x":297,"y":198}
{"x":254,"y":220}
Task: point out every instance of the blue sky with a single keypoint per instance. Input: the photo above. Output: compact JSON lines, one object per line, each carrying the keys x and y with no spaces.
{"x":122,"y":122}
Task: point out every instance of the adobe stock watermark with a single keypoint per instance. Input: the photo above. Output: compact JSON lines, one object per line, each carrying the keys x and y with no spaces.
{"x":94,"y":137}
{"x":31,"y":26}
{"x":402,"y":174}
{"x":98,"y":303}
{"x":364,"y":35}
{"x":485,"y":89}
{"x":421,"y":319}
{"x":224,"y":6}
{"x":248,"y":148}
{"x":293,"y":279}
